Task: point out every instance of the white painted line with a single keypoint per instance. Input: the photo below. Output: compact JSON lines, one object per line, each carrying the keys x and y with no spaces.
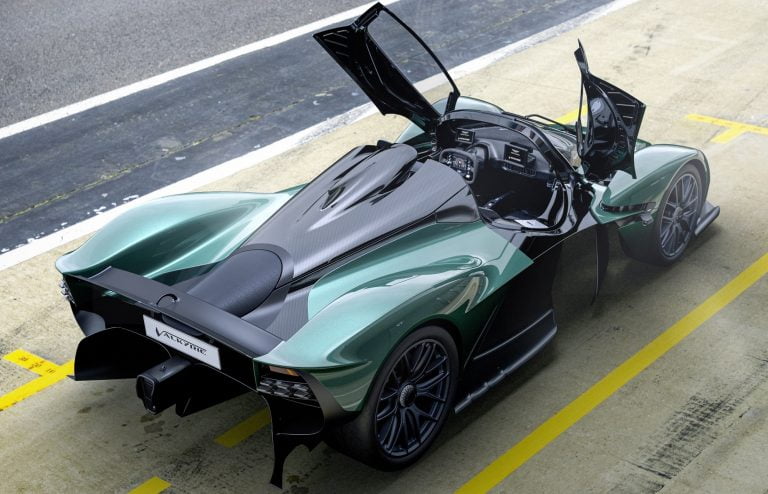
{"x":534,"y":39}
{"x":198,"y":180}
{"x":87,"y":104}
{"x":490,"y":58}
{"x":253,"y":158}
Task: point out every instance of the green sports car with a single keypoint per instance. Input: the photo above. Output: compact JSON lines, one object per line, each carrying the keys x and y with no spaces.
{"x":400,"y":284}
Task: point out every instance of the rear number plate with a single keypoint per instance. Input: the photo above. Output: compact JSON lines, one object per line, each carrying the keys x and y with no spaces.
{"x":181,"y":341}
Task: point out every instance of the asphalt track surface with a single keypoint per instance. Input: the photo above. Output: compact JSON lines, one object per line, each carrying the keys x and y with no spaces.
{"x":71,"y":169}
{"x":54,"y":52}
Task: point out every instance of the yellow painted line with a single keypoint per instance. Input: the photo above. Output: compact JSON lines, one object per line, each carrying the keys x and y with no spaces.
{"x":244,"y":429}
{"x":49,"y":373}
{"x":726,"y":136}
{"x":570,"y":117}
{"x":151,"y":486}
{"x":547,"y":432}
{"x":734,"y":129}
{"x":31,"y":362}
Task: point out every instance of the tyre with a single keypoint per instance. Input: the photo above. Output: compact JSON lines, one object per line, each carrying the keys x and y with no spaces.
{"x":409,"y":401}
{"x":676,"y":218}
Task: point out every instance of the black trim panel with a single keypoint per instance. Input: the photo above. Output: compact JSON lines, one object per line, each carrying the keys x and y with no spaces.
{"x":527,"y":344}
{"x":220,"y":325}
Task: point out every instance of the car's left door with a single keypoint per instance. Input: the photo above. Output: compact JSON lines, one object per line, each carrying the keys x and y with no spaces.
{"x":388,"y":61}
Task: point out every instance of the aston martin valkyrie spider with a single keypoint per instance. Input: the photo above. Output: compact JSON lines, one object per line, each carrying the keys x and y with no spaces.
{"x":400,"y":284}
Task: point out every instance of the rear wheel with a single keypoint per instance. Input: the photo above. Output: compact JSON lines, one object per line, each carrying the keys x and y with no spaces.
{"x":408,"y":404}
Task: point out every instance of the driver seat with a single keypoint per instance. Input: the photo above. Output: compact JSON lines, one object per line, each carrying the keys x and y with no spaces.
{"x":535,"y":205}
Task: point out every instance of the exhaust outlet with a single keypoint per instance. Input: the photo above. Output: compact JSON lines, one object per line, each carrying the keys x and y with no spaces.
{"x":164,"y":384}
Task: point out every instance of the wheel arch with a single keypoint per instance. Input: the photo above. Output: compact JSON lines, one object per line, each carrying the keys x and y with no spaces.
{"x":656,"y":166}
{"x":636,"y":233}
{"x":438,"y":322}
{"x":181,"y":231}
{"x":699,"y":163}
{"x":450,"y":328}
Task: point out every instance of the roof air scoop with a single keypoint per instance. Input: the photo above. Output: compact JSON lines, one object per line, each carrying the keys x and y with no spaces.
{"x":377,"y":176}
{"x":333,"y":194}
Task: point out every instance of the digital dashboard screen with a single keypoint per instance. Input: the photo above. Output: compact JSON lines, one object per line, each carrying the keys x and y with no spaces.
{"x":516,"y":154}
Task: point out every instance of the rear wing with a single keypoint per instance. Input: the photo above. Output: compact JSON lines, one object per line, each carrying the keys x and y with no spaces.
{"x":187,"y":309}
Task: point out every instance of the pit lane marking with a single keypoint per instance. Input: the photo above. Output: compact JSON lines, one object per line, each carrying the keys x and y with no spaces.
{"x":151,"y":486}
{"x":571,"y":116}
{"x":734,"y":129}
{"x":244,"y":429}
{"x":529,"y":446}
{"x":49,"y":373}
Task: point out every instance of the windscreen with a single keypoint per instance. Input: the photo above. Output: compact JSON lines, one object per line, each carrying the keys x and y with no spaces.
{"x":410,"y":57}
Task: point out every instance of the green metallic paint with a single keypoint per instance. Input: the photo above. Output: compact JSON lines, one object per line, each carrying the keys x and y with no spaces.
{"x":292,"y":190}
{"x":656,"y":166}
{"x":359,"y":312}
{"x":641,"y":144}
{"x":180,"y":232}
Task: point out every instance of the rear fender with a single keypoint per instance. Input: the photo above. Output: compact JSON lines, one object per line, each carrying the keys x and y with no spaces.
{"x":174,"y":233}
{"x":359,"y":312}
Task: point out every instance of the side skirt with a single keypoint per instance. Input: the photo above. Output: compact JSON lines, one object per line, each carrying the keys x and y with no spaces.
{"x":708,"y":214}
{"x":510,"y":355}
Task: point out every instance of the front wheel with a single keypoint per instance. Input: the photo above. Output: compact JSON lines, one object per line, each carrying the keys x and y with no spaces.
{"x":677,"y":217}
{"x":409,"y":401}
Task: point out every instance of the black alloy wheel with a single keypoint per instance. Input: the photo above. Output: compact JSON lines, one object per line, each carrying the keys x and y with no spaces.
{"x":408,"y":402}
{"x":413,"y":399}
{"x":679,"y":215}
{"x":676,"y":219}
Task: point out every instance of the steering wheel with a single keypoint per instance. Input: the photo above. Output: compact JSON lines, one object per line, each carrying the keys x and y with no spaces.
{"x":464,"y":162}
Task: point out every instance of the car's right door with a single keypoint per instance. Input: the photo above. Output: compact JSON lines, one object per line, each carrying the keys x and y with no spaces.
{"x":607,"y":143}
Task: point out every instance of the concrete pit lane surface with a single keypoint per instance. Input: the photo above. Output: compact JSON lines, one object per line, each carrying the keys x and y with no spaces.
{"x":684,"y":348}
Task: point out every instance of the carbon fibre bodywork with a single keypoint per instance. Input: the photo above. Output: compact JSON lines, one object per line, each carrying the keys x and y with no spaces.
{"x":302,"y":295}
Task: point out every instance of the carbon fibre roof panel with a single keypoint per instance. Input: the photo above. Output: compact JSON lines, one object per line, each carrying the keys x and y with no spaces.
{"x":366,"y":195}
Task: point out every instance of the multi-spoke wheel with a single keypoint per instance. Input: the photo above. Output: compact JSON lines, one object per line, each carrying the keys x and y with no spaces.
{"x":413,"y":399}
{"x":675,"y":221}
{"x":678,"y":216}
{"x":408,"y":402}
